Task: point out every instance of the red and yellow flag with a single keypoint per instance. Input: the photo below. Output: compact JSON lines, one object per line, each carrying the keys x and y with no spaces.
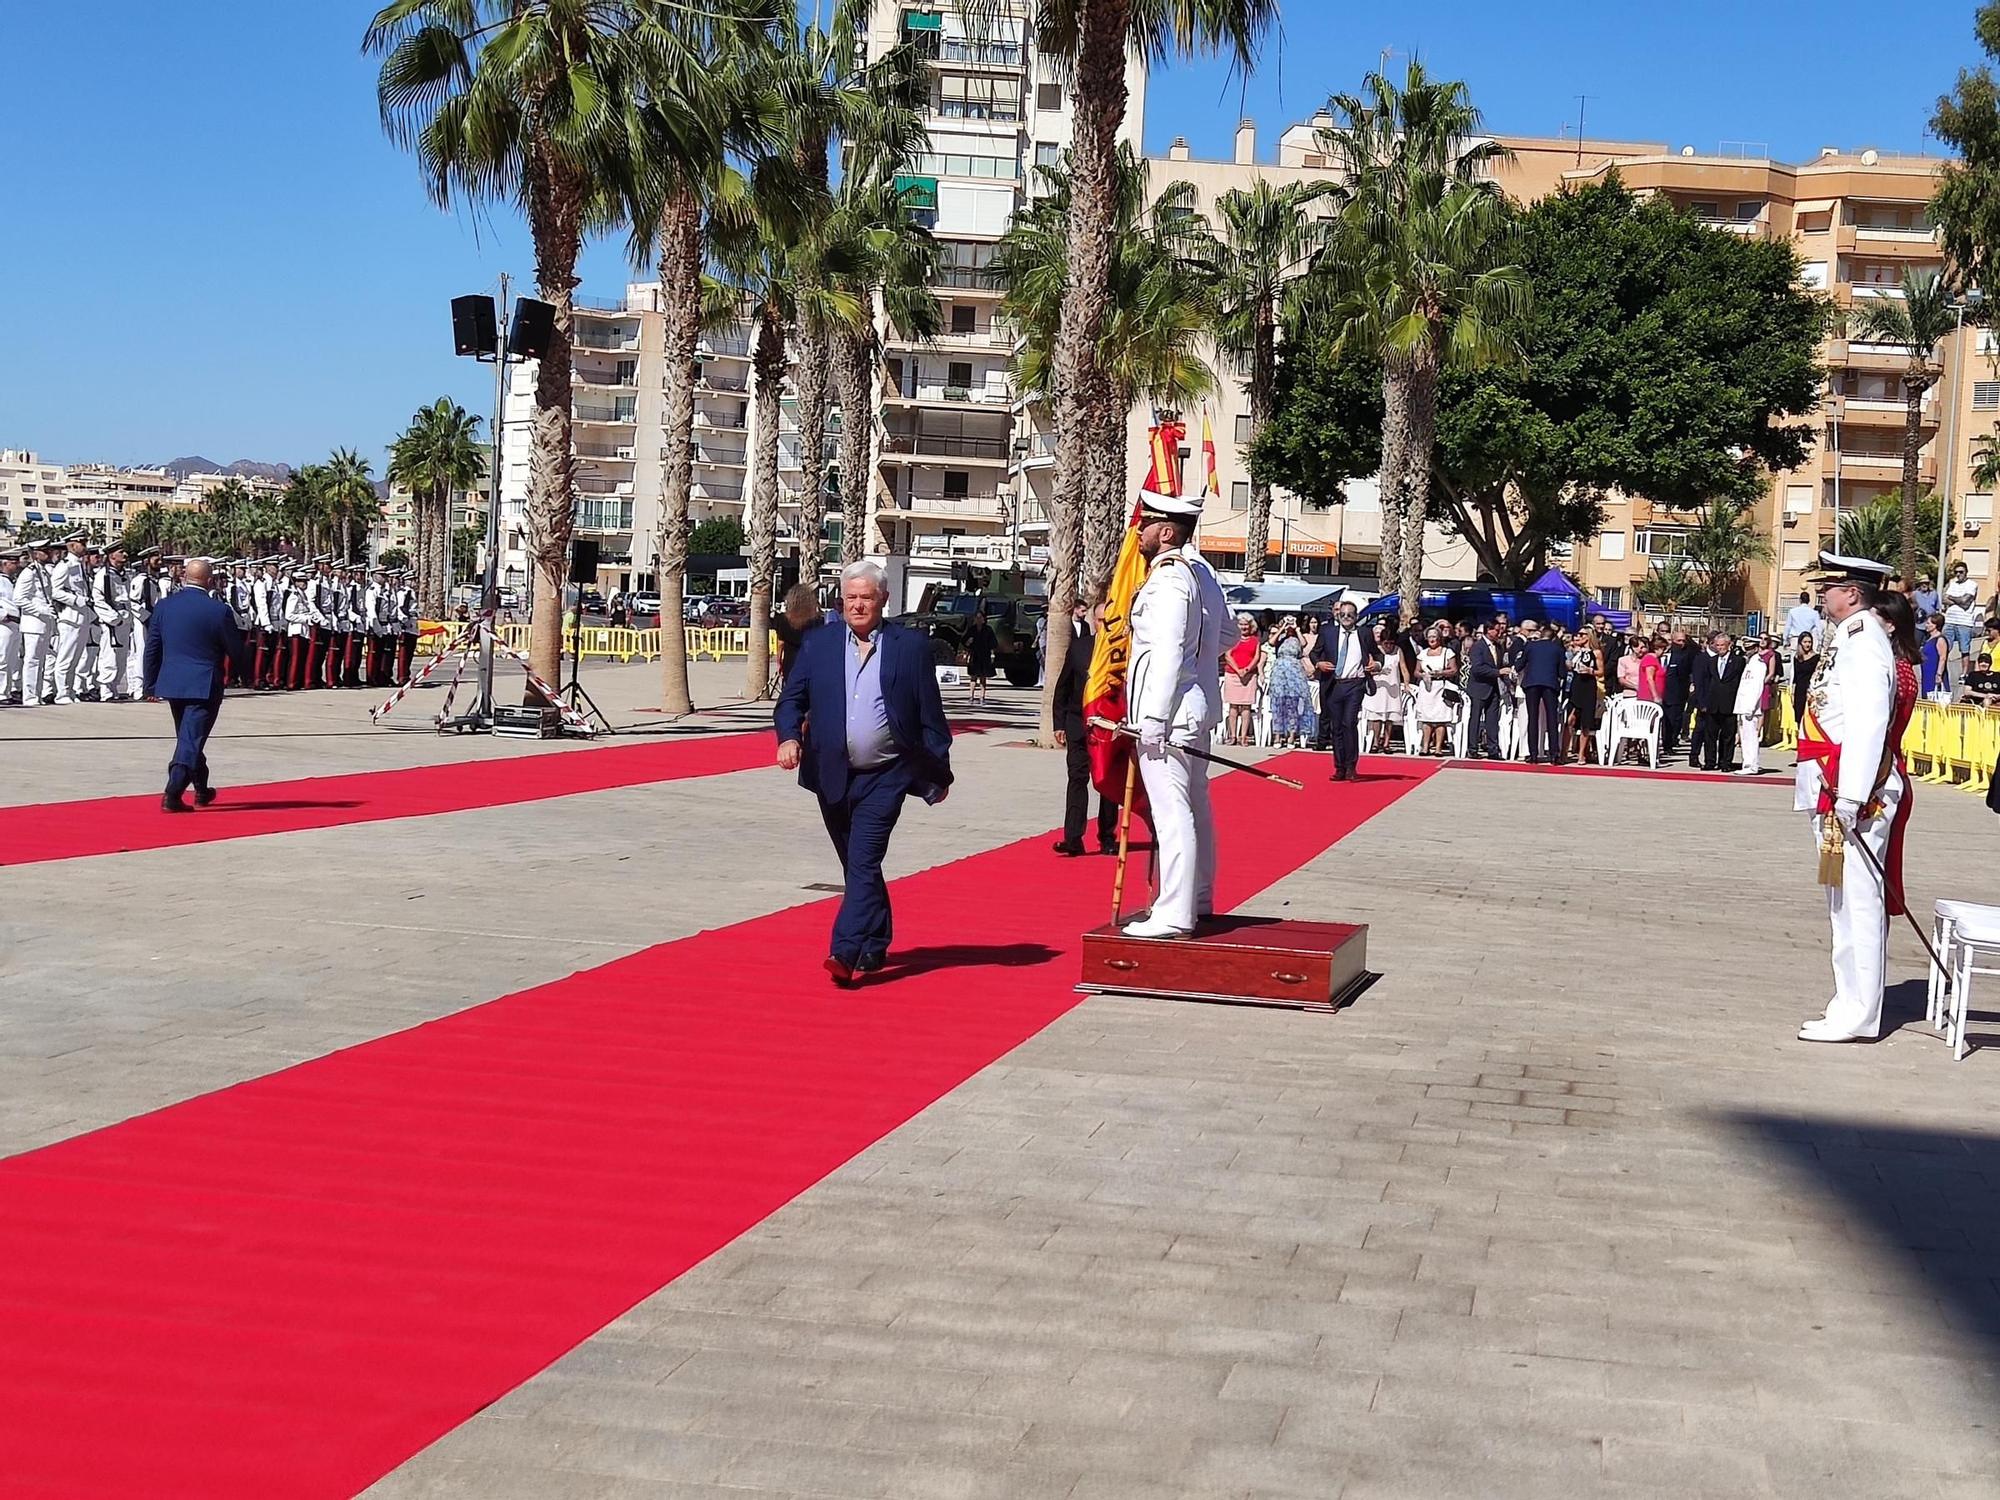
{"x":1213,"y":487}
{"x":1104,"y":688}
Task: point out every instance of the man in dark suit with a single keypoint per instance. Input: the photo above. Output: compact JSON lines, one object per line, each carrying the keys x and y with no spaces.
{"x":1074,"y":737}
{"x":188,"y":639}
{"x":1485,"y":651}
{"x":1717,"y":673}
{"x":1344,"y":659}
{"x":1682,"y":654}
{"x":861,"y":721}
{"x":1542,"y":662}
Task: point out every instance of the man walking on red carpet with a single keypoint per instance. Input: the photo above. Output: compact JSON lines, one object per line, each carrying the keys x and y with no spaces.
{"x":861,"y":721}
{"x":192,"y":635}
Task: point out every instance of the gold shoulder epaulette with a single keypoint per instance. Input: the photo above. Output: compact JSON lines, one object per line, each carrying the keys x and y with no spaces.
{"x":1854,"y":626}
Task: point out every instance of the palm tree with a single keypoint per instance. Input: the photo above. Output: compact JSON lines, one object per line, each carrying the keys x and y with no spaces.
{"x":1919,"y":319}
{"x":303,"y":506}
{"x":1668,"y":586}
{"x":520,"y":99}
{"x":438,"y":454}
{"x":350,"y":497}
{"x":228,"y":505}
{"x":1723,"y":542}
{"x":1418,"y":274}
{"x":1095,"y":41}
{"x":1985,"y":461}
{"x":1266,"y":238}
{"x":1162,"y":313}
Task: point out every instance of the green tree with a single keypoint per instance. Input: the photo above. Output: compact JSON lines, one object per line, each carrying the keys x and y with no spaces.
{"x":1419,"y":274}
{"x":719,"y":536}
{"x":1723,"y":542}
{"x":229,"y":506}
{"x":1966,"y":205}
{"x":393,"y":557}
{"x":437,"y":455}
{"x":522,"y":100}
{"x":1094,"y":41}
{"x":303,"y":509}
{"x":1875,"y":530}
{"x":465,"y":544}
{"x":1918,"y":319}
{"x":1660,"y":358}
{"x":1266,"y":234}
{"x":1669,"y":586}
{"x":350,"y":499}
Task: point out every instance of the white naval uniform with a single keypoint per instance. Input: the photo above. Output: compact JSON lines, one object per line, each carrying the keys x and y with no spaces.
{"x":69,"y":586}
{"x":141,"y":594}
{"x":1853,"y":698}
{"x":1175,"y":686}
{"x":10,"y":641}
{"x":38,"y":629}
{"x":113,"y":612}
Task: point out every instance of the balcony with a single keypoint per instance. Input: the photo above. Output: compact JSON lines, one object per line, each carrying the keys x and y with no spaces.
{"x":721,"y":457}
{"x":614,"y":416}
{"x":724,"y":346}
{"x":926,"y":445}
{"x":979,"y":54}
{"x":610,"y":343}
{"x":956,"y":164}
{"x":603,"y":381}
{"x":937,"y":393}
{"x":620,"y":453}
{"x":718,"y":381}
{"x":987,"y":549}
{"x":717,"y":494}
{"x":968,"y":279}
{"x":977,"y":506}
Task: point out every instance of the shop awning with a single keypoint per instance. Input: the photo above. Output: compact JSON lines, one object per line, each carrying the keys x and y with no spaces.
{"x":917,"y":192}
{"x":1815,"y":206}
{"x":923,"y":20}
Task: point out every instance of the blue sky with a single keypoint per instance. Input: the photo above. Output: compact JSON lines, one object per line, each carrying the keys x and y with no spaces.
{"x":215,"y":250}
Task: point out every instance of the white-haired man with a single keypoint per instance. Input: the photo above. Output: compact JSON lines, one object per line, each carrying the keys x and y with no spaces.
{"x":861,"y":721}
{"x":1174,"y":692}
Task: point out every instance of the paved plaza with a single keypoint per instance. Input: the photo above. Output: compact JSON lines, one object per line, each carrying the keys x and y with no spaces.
{"x":1557,"y":1207}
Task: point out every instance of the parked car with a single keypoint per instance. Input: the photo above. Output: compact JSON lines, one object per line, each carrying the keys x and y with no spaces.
{"x":726,"y":614}
{"x":643,"y":603}
{"x":593,"y":603}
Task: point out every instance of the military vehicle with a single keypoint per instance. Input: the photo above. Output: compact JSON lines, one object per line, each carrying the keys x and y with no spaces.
{"x":945,"y":614}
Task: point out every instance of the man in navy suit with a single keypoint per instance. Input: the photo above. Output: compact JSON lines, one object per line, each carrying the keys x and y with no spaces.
{"x":861,"y":721}
{"x":1541,"y":661}
{"x":190,"y":635}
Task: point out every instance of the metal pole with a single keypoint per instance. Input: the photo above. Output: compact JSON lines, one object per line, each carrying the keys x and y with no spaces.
{"x":1949,"y":467}
{"x":489,"y":592}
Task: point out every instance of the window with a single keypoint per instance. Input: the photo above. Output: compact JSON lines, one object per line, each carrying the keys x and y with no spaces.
{"x":1798,"y":499}
{"x":1611,"y":546}
{"x":1986,"y":395}
{"x":1047,"y":154}
{"x":1609,"y":596}
{"x":1977,"y":561}
{"x":1748,"y":209}
{"x":1048,"y":96}
{"x":1654,"y":542}
{"x":956,"y":484}
{"x":958,"y":377}
{"x":1239,"y":495}
{"x":1797,"y":555}
{"x":1242,"y":429}
{"x":1313,"y":159}
{"x":1813,"y":273}
{"x":964,"y":318}
{"x":1979,"y":509}
{"x":1705,"y":210}
{"x":962,"y":98}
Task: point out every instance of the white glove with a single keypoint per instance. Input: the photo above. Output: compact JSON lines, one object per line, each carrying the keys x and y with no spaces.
{"x":1153,"y":735}
{"x":1847,"y":812}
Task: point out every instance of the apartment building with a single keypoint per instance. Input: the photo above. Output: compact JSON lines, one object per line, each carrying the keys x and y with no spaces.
{"x":31,"y":491}
{"x":105,"y":496}
{"x":1859,"y":221}
{"x":194,"y":489}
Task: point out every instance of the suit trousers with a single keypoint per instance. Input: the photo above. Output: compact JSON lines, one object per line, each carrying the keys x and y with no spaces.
{"x":1673,"y":723}
{"x":1714,"y":739}
{"x":859,"y":824}
{"x":1485,"y":726}
{"x":1183,"y":831}
{"x":37,"y":656}
{"x":1860,"y":920}
{"x":1341,"y":718}
{"x":1544,"y":733}
{"x":194,"y":720}
{"x":1076,"y":801}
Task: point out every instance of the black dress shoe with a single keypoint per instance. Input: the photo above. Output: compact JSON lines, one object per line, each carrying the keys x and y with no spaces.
{"x":174,"y":804}
{"x":1107,"y":846}
{"x":870,"y":963}
{"x":203,"y":795}
{"x":1068,"y":850}
{"x":841,"y":970}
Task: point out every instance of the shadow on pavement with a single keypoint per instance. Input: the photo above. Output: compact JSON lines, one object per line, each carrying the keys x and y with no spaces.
{"x":914,"y":961}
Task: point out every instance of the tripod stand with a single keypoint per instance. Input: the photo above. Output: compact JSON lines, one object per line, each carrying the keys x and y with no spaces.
{"x":574,"y":699}
{"x":467,"y":647}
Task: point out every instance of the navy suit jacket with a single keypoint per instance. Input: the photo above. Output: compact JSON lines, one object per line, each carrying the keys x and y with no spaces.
{"x":1486,"y":662}
{"x":189,"y":636}
{"x":1542,"y":663}
{"x":813,"y":710}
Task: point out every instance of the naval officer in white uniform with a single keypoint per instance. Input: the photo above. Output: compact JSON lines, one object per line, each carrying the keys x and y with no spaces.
{"x":1174,"y":702}
{"x":1849,"y":708}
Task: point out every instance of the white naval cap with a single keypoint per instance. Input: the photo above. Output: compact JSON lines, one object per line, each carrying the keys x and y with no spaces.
{"x":1170,"y":507}
{"x":1834,"y":568}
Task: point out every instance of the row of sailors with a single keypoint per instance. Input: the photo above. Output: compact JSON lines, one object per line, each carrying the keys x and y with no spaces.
{"x":73,"y":623}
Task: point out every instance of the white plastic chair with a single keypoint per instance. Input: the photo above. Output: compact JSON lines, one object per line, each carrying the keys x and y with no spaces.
{"x":1260,"y":718}
{"x":1640,"y":721}
{"x":1513,"y":723}
{"x":1412,"y":730}
{"x":1461,"y":726}
{"x":1966,"y":933}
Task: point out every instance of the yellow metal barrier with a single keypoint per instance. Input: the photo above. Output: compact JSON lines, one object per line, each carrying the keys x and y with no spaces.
{"x":612,"y":643}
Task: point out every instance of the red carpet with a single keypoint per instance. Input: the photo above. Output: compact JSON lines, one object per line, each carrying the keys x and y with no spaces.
{"x":289,"y":1287}
{"x":115,"y":825}
{"x":1771,"y":777}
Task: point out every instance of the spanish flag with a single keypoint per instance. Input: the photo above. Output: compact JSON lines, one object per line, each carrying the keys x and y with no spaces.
{"x":1104,"y":688}
{"x":1213,"y":487}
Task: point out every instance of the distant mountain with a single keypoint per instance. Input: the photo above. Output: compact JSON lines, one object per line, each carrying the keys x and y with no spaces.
{"x":245,"y":468}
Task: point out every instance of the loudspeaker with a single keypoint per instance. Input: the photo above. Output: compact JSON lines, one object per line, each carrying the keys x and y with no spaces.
{"x":473,"y":326}
{"x":583,"y":559}
{"x":534,"y":326}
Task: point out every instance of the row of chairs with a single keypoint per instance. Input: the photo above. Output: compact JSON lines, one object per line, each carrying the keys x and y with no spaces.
{"x":1625,"y":720}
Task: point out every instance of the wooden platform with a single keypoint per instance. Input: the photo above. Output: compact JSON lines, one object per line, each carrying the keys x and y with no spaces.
{"x":1233,"y":961}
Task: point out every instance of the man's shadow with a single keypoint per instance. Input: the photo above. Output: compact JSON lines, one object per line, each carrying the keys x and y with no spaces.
{"x":911,"y":962}
{"x":273,"y":806}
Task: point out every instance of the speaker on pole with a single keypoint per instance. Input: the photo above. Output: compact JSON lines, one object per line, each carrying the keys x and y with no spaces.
{"x":583,"y":559}
{"x":474,"y":328}
{"x":534,"y":326}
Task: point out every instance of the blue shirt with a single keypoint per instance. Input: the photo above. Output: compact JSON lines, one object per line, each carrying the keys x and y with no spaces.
{"x":1937,"y":672}
{"x":869,"y":743}
{"x":1925,"y":602}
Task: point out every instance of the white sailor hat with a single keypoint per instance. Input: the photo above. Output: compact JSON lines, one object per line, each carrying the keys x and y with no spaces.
{"x":144,"y":553}
{"x":11,"y":554}
{"x":1834,"y":568}
{"x":1161,"y":507}
{"x":79,"y":535}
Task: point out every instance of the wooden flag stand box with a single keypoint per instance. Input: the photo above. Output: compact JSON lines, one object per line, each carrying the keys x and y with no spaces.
{"x":1233,"y":961}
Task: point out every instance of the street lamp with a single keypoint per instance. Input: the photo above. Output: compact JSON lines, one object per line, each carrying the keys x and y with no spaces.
{"x":1971,"y":300}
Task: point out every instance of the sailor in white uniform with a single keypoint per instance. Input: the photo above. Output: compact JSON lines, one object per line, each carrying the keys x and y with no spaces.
{"x":10,"y":629}
{"x":1174,"y":702}
{"x":142,"y":592}
{"x":37,"y":604}
{"x":112,"y":610}
{"x":1849,"y":708}
{"x":69,"y":585}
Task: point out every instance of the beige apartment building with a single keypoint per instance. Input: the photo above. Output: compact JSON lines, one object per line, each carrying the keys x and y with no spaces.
{"x":31,"y":490}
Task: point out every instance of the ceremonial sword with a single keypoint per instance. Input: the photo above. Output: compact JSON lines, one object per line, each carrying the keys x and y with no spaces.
{"x":1127,"y":732}
{"x":1856,"y":842}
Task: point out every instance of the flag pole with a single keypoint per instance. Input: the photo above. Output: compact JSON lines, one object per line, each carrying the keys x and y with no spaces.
{"x":1124,"y":839}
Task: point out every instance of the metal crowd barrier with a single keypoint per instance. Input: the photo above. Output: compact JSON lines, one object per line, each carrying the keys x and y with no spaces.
{"x":614,"y":643}
{"x":1953,"y":745}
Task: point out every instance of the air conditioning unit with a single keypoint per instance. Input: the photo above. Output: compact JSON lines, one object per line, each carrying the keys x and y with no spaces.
{"x":1970,"y":528}
{"x":1790,"y":519}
